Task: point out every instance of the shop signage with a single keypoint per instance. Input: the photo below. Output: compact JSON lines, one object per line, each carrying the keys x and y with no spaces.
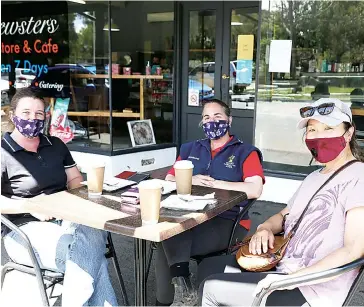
{"x":30,"y":46}
{"x":244,"y":70}
{"x":193,"y":97}
{"x":27,"y":47}
{"x":244,"y":67}
{"x":280,"y":56}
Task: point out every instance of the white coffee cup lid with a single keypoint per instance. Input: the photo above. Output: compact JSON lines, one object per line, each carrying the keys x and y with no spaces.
{"x":183,"y":164}
{"x":93,"y":165}
{"x":150,"y":184}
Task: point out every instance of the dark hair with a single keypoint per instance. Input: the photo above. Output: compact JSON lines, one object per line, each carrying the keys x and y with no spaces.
{"x":27,"y":92}
{"x":224,"y":105}
{"x":23,"y":93}
{"x":354,"y":146}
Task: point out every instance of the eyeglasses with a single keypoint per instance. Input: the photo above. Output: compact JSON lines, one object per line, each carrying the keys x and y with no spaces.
{"x":322,"y":109}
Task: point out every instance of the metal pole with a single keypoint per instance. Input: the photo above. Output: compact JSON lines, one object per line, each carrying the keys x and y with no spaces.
{"x":140,"y":261}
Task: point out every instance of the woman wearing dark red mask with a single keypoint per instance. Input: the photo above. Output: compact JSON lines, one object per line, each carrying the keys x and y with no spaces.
{"x":328,"y":235}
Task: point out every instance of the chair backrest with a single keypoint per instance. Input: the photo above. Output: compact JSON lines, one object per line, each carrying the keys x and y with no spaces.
{"x":354,"y":288}
{"x":241,"y":214}
{"x":95,"y":102}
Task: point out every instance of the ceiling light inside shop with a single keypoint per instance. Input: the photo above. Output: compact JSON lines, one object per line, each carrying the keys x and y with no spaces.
{"x":160,"y":17}
{"x":235,"y":20}
{"x":78,"y":1}
{"x":114,"y":27}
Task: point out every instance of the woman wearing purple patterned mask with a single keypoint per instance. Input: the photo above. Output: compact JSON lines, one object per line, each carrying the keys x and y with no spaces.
{"x":33,"y":164}
{"x":220,"y":161}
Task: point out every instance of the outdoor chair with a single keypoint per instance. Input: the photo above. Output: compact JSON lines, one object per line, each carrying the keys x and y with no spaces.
{"x":47,"y":278}
{"x":296,"y":281}
{"x":199,"y":258}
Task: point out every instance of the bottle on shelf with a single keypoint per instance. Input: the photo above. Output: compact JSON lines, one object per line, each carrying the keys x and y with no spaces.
{"x":148,"y":72}
{"x":148,"y":69}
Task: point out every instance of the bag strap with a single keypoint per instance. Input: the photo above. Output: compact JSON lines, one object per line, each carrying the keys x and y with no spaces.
{"x":295,"y":227}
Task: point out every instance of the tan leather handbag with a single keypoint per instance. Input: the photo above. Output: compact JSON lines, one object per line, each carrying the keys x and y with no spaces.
{"x":267,"y":261}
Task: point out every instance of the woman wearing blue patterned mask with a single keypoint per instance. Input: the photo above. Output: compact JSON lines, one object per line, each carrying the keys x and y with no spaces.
{"x":220,"y":161}
{"x":34,"y":164}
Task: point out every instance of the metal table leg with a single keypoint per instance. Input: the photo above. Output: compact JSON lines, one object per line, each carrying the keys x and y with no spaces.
{"x":140,"y":265}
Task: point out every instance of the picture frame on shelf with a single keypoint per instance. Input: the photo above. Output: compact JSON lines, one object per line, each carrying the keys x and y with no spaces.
{"x":141,"y":132}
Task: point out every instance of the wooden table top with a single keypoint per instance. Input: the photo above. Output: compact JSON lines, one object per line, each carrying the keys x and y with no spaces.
{"x":110,"y":214}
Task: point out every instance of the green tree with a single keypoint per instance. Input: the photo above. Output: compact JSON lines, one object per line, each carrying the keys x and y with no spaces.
{"x":81,"y":47}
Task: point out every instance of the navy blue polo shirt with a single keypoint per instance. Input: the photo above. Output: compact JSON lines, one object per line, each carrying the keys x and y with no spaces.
{"x":227,"y":165}
{"x":26,"y":174}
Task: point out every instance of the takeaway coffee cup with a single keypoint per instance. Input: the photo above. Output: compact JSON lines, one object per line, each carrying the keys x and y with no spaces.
{"x":183,"y":173}
{"x":150,"y":192}
{"x":95,"y":180}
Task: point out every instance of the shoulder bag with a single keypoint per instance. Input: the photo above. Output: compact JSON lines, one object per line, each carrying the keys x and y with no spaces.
{"x":267,"y":261}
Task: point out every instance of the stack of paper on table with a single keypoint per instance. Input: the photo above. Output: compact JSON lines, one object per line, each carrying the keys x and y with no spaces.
{"x":113,"y":183}
{"x":131,"y":196}
{"x":190,"y":203}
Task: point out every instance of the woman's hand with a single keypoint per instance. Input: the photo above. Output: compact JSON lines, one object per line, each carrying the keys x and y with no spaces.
{"x":42,"y":217}
{"x":203,"y":180}
{"x":268,"y":280}
{"x":261,"y":240}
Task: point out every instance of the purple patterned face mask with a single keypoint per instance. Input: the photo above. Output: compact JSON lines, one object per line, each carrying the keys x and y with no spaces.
{"x":215,"y":130}
{"x":30,"y":128}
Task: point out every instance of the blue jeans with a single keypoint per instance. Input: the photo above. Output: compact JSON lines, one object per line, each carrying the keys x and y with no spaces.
{"x":73,"y":249}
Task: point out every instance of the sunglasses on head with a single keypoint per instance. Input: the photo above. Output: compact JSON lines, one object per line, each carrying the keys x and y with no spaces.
{"x":322,"y":109}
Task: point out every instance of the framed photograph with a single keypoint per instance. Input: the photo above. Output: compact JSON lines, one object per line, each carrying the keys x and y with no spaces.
{"x":141,"y":132}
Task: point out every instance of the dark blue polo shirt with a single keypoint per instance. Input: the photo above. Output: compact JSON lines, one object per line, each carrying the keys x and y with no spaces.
{"x":227,"y":165}
{"x":27,"y":174}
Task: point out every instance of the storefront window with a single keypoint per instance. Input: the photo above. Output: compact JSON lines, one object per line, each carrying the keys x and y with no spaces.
{"x":62,"y":45}
{"x":142,"y":67}
{"x":326,"y":60}
{"x":69,"y":58}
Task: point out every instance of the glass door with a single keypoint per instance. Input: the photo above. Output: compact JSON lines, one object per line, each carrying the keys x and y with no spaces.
{"x":239,"y":54}
{"x":201,"y":62}
{"x":219,"y":61}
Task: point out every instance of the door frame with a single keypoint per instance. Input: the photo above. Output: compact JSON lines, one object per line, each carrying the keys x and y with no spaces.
{"x":222,"y":57}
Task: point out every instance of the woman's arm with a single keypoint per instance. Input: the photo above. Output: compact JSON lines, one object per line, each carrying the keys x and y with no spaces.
{"x":12,"y":206}
{"x":275,"y":222}
{"x":74,"y":178}
{"x":252,"y":186}
{"x":264,"y":236}
{"x":353,"y":246}
{"x":196,"y":180}
{"x":353,"y":249}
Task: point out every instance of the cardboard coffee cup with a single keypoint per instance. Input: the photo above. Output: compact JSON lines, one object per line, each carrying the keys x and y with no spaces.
{"x":183,"y":172}
{"x":150,"y":192}
{"x":95,"y":180}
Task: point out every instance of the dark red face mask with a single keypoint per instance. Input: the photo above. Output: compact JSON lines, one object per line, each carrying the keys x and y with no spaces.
{"x":326,"y":149}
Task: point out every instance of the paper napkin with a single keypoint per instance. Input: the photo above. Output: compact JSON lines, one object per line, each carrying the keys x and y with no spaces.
{"x":175,"y":202}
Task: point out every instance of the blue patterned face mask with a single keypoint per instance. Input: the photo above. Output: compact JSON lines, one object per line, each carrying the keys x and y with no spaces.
{"x":30,"y":128}
{"x":215,"y":130}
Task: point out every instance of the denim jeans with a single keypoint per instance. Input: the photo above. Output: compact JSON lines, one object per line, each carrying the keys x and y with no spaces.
{"x":73,"y":249}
